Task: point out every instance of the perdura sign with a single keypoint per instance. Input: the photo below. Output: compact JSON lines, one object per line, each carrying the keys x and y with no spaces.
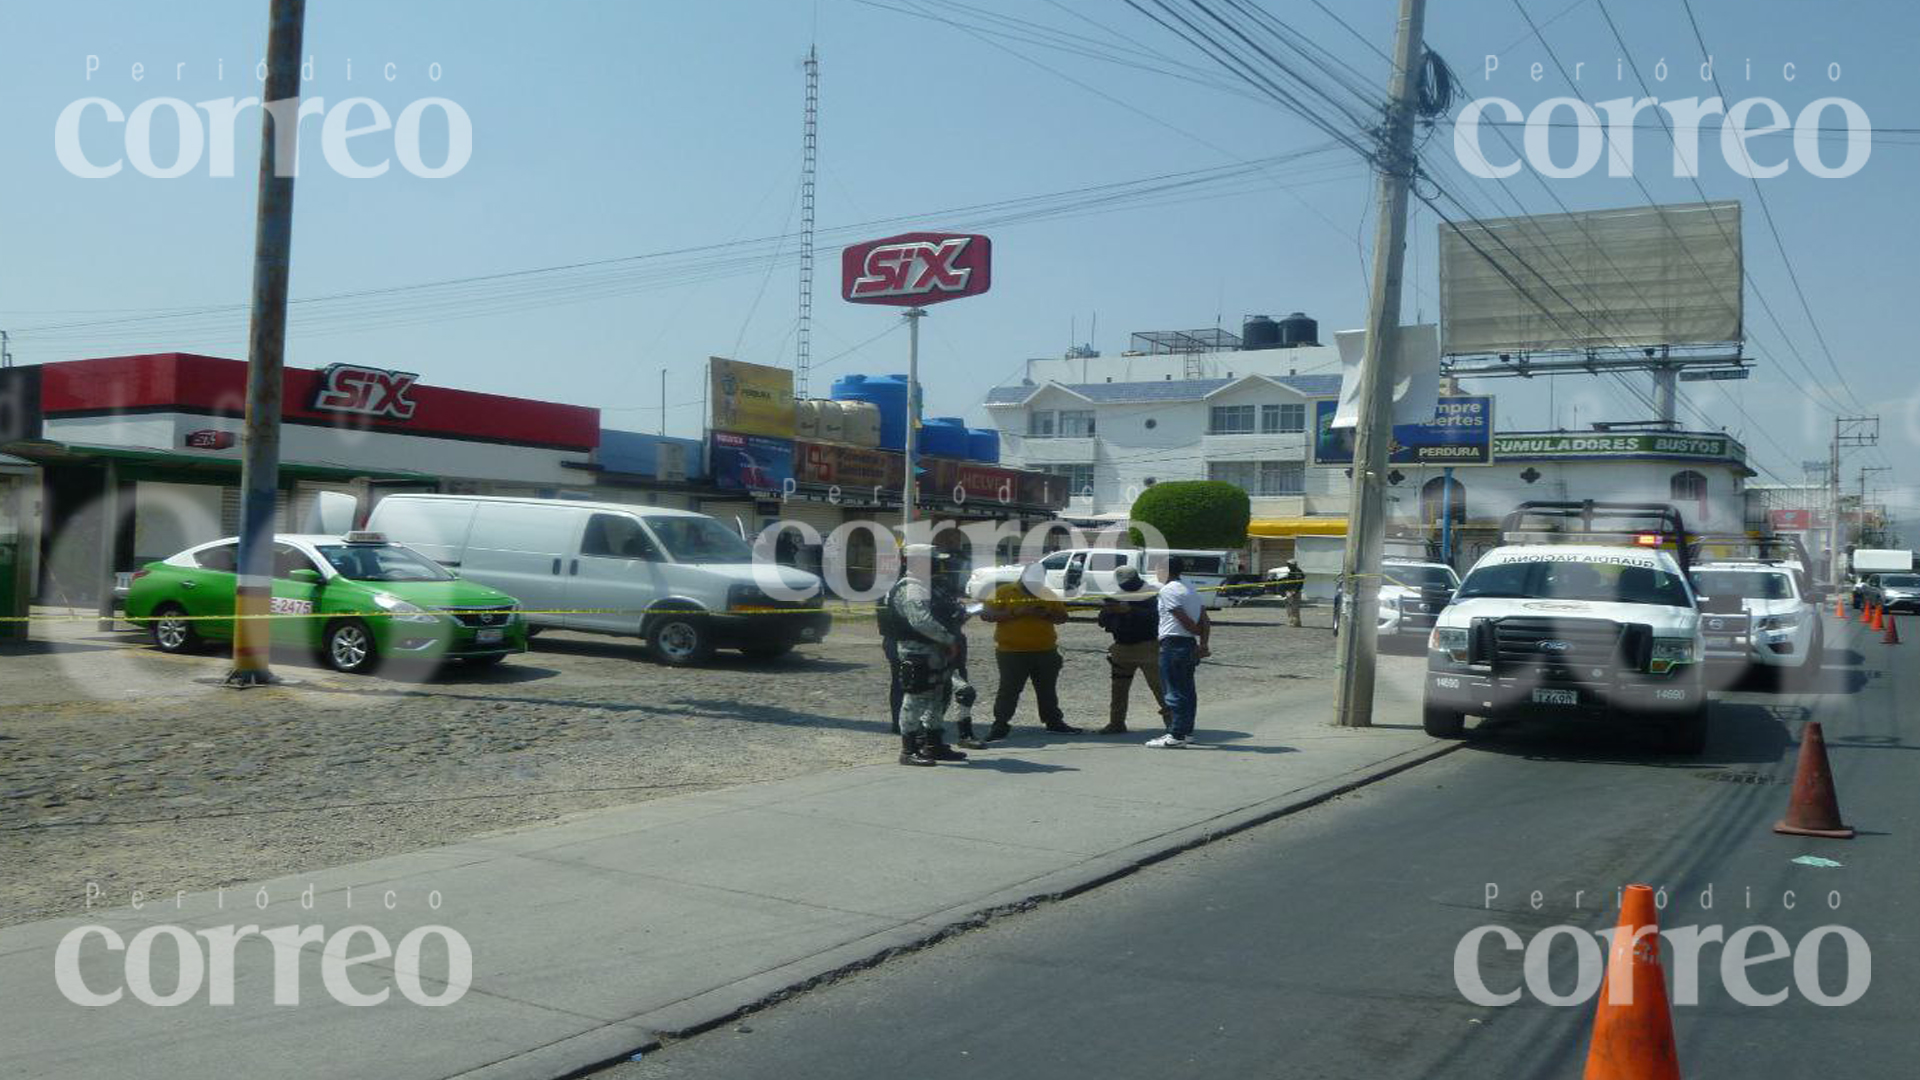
{"x":1605,"y":443}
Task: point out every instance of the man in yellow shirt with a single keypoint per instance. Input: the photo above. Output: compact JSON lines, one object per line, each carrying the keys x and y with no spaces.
{"x":1028,"y":648}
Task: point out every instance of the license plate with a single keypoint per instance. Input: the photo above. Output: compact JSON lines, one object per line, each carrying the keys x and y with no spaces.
{"x":1720,"y":641}
{"x":489,"y":637}
{"x":1556,"y":697}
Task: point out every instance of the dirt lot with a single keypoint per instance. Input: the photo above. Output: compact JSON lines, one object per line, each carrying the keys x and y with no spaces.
{"x":135,"y":770}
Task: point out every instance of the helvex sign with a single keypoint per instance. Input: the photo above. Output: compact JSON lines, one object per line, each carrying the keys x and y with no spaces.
{"x":916,"y":268}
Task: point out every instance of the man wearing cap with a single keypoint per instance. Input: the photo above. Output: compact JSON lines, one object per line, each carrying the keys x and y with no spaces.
{"x":926,"y":649}
{"x":1133,"y":618}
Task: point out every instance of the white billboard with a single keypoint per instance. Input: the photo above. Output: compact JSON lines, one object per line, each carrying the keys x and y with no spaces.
{"x":1647,"y":275}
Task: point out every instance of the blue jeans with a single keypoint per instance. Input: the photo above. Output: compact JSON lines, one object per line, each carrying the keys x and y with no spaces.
{"x":1177,"y":660}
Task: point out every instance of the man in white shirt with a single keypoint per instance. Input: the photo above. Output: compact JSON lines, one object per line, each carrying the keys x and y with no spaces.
{"x":1184,"y":630}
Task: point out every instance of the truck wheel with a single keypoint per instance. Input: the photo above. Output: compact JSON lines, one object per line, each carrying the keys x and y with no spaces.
{"x":173,"y":632}
{"x":680,"y":640}
{"x":1442,"y":723}
{"x":1688,"y":735}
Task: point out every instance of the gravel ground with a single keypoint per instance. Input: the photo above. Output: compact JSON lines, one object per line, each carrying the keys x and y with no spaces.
{"x":131,"y":769}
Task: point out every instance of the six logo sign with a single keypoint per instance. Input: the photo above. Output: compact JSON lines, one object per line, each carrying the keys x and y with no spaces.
{"x":916,"y":268}
{"x":365,"y":391}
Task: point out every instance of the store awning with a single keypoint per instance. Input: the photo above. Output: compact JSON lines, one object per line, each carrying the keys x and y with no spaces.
{"x":135,"y":460}
{"x":1313,"y":525}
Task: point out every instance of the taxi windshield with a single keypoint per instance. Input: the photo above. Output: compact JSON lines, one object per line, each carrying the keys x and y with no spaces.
{"x":1602,"y":581}
{"x":382,"y":562}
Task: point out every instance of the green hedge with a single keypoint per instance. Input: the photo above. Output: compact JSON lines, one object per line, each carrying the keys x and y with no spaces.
{"x":1195,"y":513}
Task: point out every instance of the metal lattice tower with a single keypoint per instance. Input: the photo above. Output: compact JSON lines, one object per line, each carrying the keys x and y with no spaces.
{"x":809,"y":155}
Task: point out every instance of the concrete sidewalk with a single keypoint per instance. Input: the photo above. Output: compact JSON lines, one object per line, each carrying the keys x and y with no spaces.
{"x":595,"y":937}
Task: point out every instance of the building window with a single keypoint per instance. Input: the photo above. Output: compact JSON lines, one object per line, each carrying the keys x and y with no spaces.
{"x":1040,"y":423}
{"x":1687,"y":485}
{"x":1076,"y":423}
{"x":1283,"y":419}
{"x":1264,"y":479}
{"x":1079,"y":478}
{"x":1230,"y":420}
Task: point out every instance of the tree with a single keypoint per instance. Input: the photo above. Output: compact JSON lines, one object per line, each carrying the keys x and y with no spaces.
{"x":1195,"y":513}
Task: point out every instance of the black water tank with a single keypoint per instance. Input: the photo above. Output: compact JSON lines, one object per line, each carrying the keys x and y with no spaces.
{"x":1259,"y":332}
{"x":1296,"y":329}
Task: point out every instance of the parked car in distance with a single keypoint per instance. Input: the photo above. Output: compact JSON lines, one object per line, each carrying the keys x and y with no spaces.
{"x":357,"y":600}
{"x":1075,"y":573}
{"x":1894,"y":592}
{"x":683,"y":581}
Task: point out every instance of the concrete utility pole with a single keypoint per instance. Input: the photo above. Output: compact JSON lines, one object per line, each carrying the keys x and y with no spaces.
{"x":909,"y":486}
{"x":1847,"y":431}
{"x":267,"y":343}
{"x":1366,"y":524}
{"x":1860,"y":534}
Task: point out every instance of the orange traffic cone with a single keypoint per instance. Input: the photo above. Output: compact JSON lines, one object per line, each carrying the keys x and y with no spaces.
{"x":1633,"y":1036}
{"x":1873,"y":615}
{"x":1813,"y":809}
{"x":1892,"y":636}
{"x":1839,"y":609}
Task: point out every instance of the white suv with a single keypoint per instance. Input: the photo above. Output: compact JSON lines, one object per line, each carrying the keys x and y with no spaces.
{"x":1779,"y":626}
{"x":1413,"y":593}
{"x":1575,"y":619}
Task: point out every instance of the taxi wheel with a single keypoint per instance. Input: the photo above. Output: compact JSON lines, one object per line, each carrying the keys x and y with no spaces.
{"x":349,"y":648}
{"x":172,"y":631}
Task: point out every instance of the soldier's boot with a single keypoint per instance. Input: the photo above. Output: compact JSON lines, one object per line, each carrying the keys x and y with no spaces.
{"x":937,"y":744}
{"x":964,"y":729}
{"x":914,"y":751}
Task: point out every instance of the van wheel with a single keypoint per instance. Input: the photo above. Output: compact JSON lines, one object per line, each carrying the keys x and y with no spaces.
{"x":1441,"y":723}
{"x":349,"y":648}
{"x":173,"y":632}
{"x":680,"y":640}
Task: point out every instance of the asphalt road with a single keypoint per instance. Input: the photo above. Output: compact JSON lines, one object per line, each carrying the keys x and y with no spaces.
{"x":1323,"y":945}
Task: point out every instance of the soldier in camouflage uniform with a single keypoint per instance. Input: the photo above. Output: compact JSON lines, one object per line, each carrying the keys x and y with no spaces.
{"x":928,"y":650}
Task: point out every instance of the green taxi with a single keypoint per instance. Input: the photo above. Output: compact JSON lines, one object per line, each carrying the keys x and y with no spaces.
{"x":357,"y":600}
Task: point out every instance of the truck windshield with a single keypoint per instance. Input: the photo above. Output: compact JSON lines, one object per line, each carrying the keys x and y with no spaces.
{"x":1567,"y":579}
{"x":699,"y":540}
{"x":1744,"y":584}
{"x":1422,"y":578}
{"x":1900,"y":581}
{"x":382,"y":562}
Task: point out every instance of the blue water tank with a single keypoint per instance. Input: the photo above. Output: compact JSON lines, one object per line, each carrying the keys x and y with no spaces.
{"x":983,"y":444}
{"x":944,"y":436}
{"x":888,"y":393}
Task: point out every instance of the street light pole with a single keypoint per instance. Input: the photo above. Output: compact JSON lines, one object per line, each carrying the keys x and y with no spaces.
{"x":267,"y":343}
{"x":1366,"y":526}
{"x":909,"y":486}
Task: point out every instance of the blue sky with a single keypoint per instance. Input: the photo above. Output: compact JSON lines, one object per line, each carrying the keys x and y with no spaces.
{"x":605,"y":130}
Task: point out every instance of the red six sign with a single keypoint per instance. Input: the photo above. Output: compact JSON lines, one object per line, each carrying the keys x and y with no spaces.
{"x":365,"y":391}
{"x":916,"y":268}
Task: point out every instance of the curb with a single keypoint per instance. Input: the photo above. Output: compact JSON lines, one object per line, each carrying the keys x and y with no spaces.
{"x":602,"y":1047}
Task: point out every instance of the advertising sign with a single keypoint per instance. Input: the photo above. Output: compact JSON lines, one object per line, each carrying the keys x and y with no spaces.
{"x":1460,"y":433}
{"x":851,"y":467}
{"x":365,"y":391}
{"x":918,"y":268}
{"x":964,"y":482}
{"x":1617,"y":444}
{"x":750,"y":399}
{"x":750,"y":462}
{"x":1790,"y":520}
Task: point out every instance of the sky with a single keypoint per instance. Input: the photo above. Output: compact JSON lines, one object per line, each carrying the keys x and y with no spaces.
{"x":608,"y":135}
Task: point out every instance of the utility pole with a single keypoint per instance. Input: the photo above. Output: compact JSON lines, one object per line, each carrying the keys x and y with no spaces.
{"x":1366,"y":525}
{"x":6,"y":354}
{"x":909,"y":486}
{"x":1847,"y":431}
{"x":809,"y":157}
{"x":1860,"y":534}
{"x":663,"y":402}
{"x":267,"y":343}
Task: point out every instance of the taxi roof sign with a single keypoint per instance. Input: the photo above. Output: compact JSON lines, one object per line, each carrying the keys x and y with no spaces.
{"x":364,"y":536}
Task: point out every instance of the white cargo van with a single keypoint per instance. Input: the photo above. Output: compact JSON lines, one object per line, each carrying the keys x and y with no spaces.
{"x":683,"y":581}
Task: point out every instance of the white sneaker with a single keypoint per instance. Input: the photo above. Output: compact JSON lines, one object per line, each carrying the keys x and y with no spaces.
{"x":1167,"y":742}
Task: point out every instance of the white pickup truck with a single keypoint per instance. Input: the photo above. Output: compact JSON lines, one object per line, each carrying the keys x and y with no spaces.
{"x":1584,"y":613}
